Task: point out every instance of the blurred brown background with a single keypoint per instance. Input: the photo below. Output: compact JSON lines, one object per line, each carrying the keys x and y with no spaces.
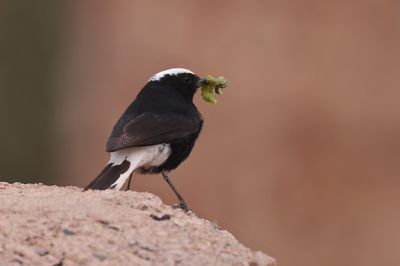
{"x":300,"y":158}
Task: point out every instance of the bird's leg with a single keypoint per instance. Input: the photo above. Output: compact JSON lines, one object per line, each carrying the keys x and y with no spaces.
{"x":182,"y":202}
{"x":129,"y":182}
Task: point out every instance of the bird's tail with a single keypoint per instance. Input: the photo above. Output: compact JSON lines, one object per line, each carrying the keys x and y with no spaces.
{"x":113,"y":176}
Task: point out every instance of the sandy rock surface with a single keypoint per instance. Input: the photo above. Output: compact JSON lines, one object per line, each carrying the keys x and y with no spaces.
{"x":50,"y":225}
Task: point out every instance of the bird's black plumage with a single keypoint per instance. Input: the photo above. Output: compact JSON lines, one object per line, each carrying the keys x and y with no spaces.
{"x":162,"y":113}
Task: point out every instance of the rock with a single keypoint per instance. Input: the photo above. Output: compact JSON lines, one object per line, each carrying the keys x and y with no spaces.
{"x":50,"y":225}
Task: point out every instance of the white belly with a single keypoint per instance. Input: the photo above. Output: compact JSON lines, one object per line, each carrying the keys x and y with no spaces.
{"x":138,"y":157}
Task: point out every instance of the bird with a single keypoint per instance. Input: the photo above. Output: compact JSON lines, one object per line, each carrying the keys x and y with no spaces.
{"x":156,"y":133}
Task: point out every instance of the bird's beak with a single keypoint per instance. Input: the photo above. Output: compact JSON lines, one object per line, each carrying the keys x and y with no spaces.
{"x":200,"y":82}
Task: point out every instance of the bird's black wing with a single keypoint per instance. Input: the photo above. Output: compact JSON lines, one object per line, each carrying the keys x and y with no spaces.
{"x":151,"y":129}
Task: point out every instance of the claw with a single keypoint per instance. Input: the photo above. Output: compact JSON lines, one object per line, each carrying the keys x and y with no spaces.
{"x":182,"y":205}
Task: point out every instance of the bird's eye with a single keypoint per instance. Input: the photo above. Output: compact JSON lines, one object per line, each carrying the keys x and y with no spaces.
{"x":187,"y":79}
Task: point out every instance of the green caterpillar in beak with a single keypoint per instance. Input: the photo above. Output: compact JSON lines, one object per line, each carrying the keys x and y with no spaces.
{"x":213,"y":85}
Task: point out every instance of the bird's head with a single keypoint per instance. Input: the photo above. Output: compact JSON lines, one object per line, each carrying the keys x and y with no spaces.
{"x":181,"y":80}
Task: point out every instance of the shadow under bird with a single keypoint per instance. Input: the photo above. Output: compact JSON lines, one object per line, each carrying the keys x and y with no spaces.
{"x":156,"y":133}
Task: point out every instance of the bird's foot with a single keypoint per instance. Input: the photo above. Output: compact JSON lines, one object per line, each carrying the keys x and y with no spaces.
{"x":182,"y":205}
